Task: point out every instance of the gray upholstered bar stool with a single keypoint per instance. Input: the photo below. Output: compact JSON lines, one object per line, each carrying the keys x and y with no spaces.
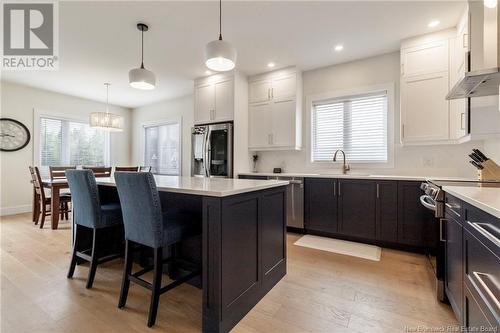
{"x":91,"y":214}
{"x":147,"y":225}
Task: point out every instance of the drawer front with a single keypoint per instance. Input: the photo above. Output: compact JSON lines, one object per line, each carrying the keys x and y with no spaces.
{"x":475,"y":319}
{"x":484,"y":227}
{"x":482,"y":276}
{"x":453,"y":208}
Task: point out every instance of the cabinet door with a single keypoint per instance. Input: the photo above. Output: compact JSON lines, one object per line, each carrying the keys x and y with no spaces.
{"x":424,"y":108}
{"x":284,"y":87}
{"x":425,"y":59}
{"x":224,"y":101}
{"x":475,"y":319}
{"x":320,"y":205}
{"x":357,"y":207}
{"x":453,"y":266}
{"x":283,"y":123}
{"x":259,"y":91}
{"x":416,"y":224}
{"x":204,"y":103}
{"x":387,"y":211}
{"x":259,"y":130}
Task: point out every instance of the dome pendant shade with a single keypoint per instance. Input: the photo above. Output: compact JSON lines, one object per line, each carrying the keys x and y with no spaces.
{"x":141,"y":78}
{"x":220,"y":56}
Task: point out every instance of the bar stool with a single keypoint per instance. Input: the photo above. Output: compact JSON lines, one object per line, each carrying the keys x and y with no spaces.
{"x":89,"y":213}
{"x":147,"y":225}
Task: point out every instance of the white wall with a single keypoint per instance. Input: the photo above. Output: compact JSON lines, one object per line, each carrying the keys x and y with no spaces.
{"x":446,"y":160}
{"x":166,"y":110}
{"x":18,"y":102}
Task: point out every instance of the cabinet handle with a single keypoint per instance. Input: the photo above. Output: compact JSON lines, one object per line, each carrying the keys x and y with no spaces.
{"x":450,"y":207}
{"x":441,"y":238}
{"x":334,"y":189}
{"x":479,"y":228}
{"x":402,"y":69}
{"x":339,"y":190}
{"x":378,"y":191}
{"x":462,"y":122}
{"x":480,"y":277}
{"x":403,"y":131}
{"x":465,"y":40}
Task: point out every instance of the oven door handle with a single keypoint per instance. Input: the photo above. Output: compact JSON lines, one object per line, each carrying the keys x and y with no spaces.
{"x":427,"y":204}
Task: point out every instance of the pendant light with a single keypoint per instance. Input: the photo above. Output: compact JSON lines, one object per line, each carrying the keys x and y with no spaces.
{"x":141,"y":78}
{"x":106,"y":120}
{"x":220,"y":55}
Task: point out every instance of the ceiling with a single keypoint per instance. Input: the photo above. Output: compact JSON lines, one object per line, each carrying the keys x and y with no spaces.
{"x":99,"y":41}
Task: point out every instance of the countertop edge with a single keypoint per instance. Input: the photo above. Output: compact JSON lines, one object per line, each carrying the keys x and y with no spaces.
{"x":340,"y":176}
{"x":474,"y":202}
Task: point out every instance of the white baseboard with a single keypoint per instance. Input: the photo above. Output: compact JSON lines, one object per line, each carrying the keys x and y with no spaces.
{"x":15,"y":210}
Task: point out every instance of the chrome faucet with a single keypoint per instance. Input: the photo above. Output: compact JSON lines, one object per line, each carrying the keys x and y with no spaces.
{"x":345,"y":167}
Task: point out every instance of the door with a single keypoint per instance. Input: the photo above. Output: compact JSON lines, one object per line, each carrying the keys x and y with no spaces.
{"x":224,"y":101}
{"x":204,"y":103}
{"x":283,"y":123}
{"x":220,"y":151}
{"x":259,"y":91}
{"x":387,"y":211}
{"x":425,"y":59}
{"x":321,"y":205}
{"x":453,"y":265}
{"x":357,"y":208}
{"x":416,"y":224}
{"x":259,"y":125}
{"x":284,"y":87}
{"x":198,"y":138}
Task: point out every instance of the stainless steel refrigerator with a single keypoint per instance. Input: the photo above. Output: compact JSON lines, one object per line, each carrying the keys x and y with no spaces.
{"x":212,"y":150}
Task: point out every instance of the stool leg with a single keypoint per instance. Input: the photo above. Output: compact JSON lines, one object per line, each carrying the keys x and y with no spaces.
{"x":66,"y":216}
{"x":93,"y":260}
{"x":127,"y":270}
{"x":155,"y":296}
{"x":72,"y":265}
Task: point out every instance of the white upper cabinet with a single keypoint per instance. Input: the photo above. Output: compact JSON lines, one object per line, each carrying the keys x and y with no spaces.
{"x":214,"y":99}
{"x":275,"y":110}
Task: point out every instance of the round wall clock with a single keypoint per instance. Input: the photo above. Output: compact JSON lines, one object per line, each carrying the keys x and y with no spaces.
{"x":13,"y":135}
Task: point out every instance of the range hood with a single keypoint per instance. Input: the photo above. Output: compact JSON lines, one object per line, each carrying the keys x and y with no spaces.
{"x":483,"y":79}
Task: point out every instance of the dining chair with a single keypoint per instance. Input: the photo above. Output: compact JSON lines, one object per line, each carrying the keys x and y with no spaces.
{"x":99,"y":172}
{"x":89,"y":213}
{"x":131,"y":169}
{"x":57,"y":172}
{"x":41,"y":206}
{"x":145,"y":168}
{"x":145,"y":224}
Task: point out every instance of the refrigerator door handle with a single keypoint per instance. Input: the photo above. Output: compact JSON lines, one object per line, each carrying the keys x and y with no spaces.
{"x":205,"y":153}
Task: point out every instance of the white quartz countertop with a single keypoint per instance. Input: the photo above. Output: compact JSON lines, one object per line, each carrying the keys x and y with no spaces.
{"x":213,"y":187}
{"x":349,"y":175}
{"x":484,"y":198}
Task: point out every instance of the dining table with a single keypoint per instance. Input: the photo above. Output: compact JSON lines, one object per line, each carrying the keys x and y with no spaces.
{"x":55,"y":186}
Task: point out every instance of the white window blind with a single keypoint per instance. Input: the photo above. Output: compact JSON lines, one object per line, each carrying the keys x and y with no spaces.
{"x":162,"y":148}
{"x":65,"y":142}
{"x":355,"y":124}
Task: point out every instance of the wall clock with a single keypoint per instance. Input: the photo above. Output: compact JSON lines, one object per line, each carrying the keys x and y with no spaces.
{"x":13,"y":135}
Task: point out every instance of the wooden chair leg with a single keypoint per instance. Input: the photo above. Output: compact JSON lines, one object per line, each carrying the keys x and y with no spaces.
{"x":127,"y":270}
{"x":155,"y":296}
{"x":93,"y":260}
{"x":43,"y":214}
{"x":74,"y":258}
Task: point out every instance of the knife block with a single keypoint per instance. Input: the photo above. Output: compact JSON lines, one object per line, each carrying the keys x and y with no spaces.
{"x":491,"y":171}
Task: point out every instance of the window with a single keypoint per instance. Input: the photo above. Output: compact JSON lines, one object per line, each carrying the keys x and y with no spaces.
{"x":65,"y":142}
{"x":162,"y":148}
{"x":355,"y":124}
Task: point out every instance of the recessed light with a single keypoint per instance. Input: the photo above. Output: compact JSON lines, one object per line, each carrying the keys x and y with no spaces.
{"x":490,"y":3}
{"x":208,"y":72}
{"x":433,"y":24}
{"x":271,"y":65}
{"x":338,"y":48}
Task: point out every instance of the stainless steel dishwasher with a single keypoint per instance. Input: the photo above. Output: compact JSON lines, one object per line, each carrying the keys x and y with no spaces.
{"x":295,"y":201}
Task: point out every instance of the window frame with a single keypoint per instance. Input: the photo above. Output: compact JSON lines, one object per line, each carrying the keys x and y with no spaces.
{"x":39,"y":114}
{"x":313,"y":99}
{"x":168,"y":121}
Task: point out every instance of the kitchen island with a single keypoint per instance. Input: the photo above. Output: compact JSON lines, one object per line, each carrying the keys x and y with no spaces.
{"x":243,"y":242}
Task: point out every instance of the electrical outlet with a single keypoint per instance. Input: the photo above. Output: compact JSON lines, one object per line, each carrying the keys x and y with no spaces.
{"x":427,"y":161}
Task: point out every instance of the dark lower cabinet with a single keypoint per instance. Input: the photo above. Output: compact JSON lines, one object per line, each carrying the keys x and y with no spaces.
{"x":416,"y":224}
{"x":320,"y":205}
{"x":475,"y":319}
{"x":387,"y":211}
{"x":453,"y":265}
{"x":357,"y":202}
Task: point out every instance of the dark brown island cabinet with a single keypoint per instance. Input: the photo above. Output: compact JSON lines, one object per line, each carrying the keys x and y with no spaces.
{"x":381,"y":212}
{"x":472,"y":260}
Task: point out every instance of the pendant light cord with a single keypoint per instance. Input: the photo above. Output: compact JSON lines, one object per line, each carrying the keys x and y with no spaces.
{"x":142,"y":48}
{"x":107,"y":97}
{"x":220,"y":19}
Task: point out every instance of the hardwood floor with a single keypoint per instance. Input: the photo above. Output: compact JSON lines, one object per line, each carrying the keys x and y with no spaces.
{"x":322,"y":292}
